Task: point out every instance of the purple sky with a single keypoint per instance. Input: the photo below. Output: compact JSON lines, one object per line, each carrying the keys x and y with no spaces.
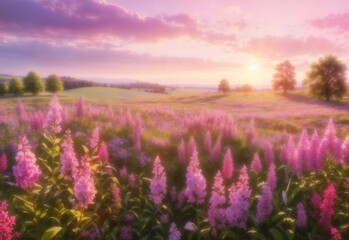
{"x":196,"y":41}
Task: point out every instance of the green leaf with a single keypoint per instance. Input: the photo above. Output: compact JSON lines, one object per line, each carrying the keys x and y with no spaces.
{"x":276,"y":234}
{"x":51,"y":233}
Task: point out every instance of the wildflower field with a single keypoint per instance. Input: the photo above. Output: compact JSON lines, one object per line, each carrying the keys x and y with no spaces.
{"x":203,"y":167}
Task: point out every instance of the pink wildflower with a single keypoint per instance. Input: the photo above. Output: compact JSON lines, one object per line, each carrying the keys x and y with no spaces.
{"x":191,"y":147}
{"x":26,"y":171}
{"x":103,"y":153}
{"x":335,"y":234}
{"x":256,"y":163}
{"x":268,"y":153}
{"x":54,"y":118}
{"x":68,"y":158}
{"x":326,"y":207}
{"x":80,"y":108}
{"x":251,"y":134}
{"x":216,"y":150}
{"x":312,"y":159}
{"x":3,"y":163}
{"x":271,"y":181}
{"x":195,"y":189}
{"x":181,"y":153}
{"x":158,"y":185}
{"x":228,"y":165}
{"x":175,"y":234}
{"x":238,"y":210}
{"x":301,"y":220}
{"x":94,"y":140}
{"x":7,"y":223}
{"x":84,"y":185}
{"x":208,"y":141}
{"x":264,"y":205}
{"x":216,"y":211}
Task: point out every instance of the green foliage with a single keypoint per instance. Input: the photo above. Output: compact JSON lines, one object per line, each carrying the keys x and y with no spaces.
{"x":3,"y":88}
{"x":33,"y":83}
{"x":16,"y":86}
{"x":327,"y":78}
{"x":54,"y":84}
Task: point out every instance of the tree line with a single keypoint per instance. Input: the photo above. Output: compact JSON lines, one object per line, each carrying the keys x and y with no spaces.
{"x":33,"y":84}
{"x":325,"y":79}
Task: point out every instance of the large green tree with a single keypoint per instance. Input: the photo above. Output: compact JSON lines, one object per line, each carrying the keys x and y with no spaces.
{"x":284,"y":77}
{"x":54,"y":84}
{"x":3,"y":88}
{"x":16,"y":86}
{"x":33,"y":83}
{"x":327,"y":78}
{"x":224,"y":86}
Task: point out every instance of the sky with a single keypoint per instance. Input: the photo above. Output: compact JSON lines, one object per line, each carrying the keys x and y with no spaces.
{"x":170,"y":42}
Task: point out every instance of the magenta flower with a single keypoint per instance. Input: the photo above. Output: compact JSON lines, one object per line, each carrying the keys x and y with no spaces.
{"x":181,"y":152}
{"x":208,"y":141}
{"x":264,"y":205}
{"x":268,"y":153}
{"x":125,"y":232}
{"x":103,"y":153}
{"x":191,"y":147}
{"x":175,"y":234}
{"x":345,"y":148}
{"x":283,"y":153}
{"x":20,"y":110}
{"x":195,"y":189}
{"x":84,"y":185}
{"x":26,"y":171}
{"x":303,"y":148}
{"x":227,"y":166}
{"x":239,"y":195}
{"x":3,"y":163}
{"x":159,"y":184}
{"x":256,"y":163}
{"x":312,"y":158}
{"x":335,"y":234}
{"x":80,"y":108}
{"x":216,"y":210}
{"x":137,"y":133}
{"x":301,"y":220}
{"x":69,"y":162}
{"x":94,"y":140}
{"x":251,"y":134}
{"x":216,"y":150}
{"x":7,"y":223}
{"x":54,"y":118}
{"x":271,"y":180}
{"x":326,"y":207}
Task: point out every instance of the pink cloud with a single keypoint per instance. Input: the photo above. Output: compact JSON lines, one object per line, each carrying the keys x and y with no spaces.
{"x":93,"y":19}
{"x":338,"y":21}
{"x":288,"y":46}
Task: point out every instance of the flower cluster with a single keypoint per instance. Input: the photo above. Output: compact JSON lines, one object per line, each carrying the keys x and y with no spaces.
{"x":26,"y":171}
{"x":7,"y":223}
{"x":195,"y":189}
{"x":158,"y":184}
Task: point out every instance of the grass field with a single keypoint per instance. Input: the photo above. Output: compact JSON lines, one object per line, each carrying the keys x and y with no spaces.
{"x":125,"y":94}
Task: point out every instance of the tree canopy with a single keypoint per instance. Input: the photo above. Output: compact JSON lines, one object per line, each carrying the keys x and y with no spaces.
{"x":327,"y":78}
{"x":33,"y":83}
{"x":224,"y":86}
{"x":3,"y":88}
{"x":54,"y":84}
{"x":16,"y":86}
{"x":284,"y":77}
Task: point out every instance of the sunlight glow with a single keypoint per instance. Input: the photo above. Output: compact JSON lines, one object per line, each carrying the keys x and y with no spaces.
{"x":253,"y":67}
